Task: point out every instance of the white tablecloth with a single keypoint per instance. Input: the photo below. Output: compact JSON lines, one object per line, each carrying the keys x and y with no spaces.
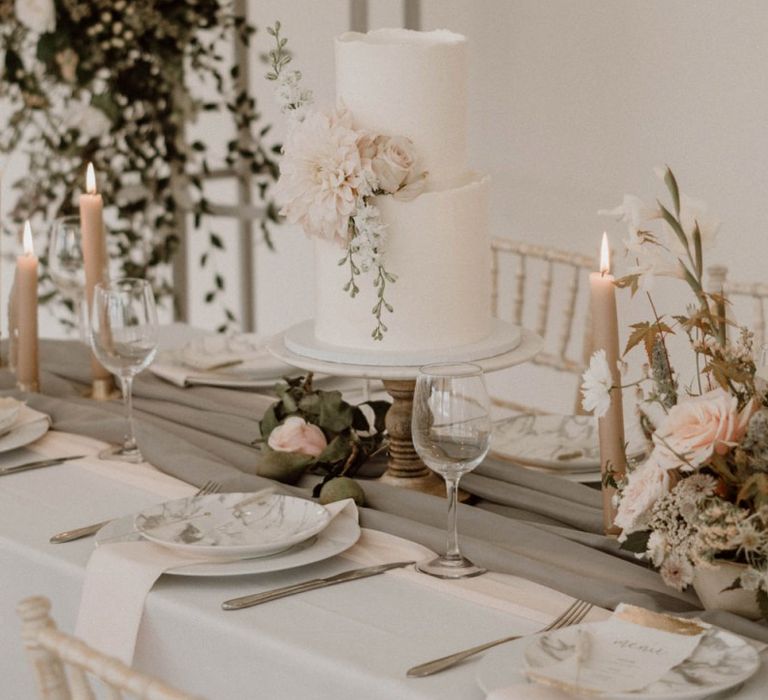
{"x":354,"y":640}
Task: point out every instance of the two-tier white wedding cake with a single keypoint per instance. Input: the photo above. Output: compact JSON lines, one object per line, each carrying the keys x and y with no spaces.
{"x":399,"y":221}
{"x":414,"y":84}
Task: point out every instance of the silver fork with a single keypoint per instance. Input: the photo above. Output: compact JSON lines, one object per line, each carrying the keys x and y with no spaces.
{"x":207,"y":488}
{"x":572,"y":616}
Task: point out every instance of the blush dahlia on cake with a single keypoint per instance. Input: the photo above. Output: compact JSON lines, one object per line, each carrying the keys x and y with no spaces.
{"x":382,"y":184}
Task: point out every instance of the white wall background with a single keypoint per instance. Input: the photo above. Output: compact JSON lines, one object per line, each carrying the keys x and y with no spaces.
{"x":572,"y":103}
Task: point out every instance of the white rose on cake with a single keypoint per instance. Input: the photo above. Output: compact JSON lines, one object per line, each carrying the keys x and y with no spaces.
{"x":393,"y":162}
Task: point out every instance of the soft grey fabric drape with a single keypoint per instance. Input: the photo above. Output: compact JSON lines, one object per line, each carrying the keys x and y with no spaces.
{"x":525,"y":523}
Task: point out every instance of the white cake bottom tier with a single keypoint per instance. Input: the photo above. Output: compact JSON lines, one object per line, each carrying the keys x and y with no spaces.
{"x":438,"y":247}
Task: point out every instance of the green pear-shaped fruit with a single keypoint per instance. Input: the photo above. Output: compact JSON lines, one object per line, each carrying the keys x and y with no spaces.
{"x":339,"y":488}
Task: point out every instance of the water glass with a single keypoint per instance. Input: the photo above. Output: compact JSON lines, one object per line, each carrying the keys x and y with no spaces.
{"x":123,"y":334}
{"x":451,"y":429}
{"x":65,"y":264}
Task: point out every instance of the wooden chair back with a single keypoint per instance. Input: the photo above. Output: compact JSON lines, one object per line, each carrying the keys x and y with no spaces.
{"x":64,"y":665}
{"x":567,"y":346}
{"x":754,"y":294}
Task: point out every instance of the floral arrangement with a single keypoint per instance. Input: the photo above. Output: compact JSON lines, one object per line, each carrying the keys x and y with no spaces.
{"x":330,"y":175}
{"x":313,"y":430}
{"x":701,"y":496}
{"x":104,"y":81}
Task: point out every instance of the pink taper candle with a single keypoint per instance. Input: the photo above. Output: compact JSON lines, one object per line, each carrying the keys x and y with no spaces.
{"x":27,"y":370}
{"x":94,"y":250}
{"x":605,"y":336}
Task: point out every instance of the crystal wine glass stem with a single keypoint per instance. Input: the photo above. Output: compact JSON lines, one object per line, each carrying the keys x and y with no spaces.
{"x":130,"y":438}
{"x":452,"y":546}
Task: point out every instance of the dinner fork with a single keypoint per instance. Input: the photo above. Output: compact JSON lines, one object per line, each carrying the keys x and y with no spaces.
{"x":207,"y":488}
{"x":572,"y":616}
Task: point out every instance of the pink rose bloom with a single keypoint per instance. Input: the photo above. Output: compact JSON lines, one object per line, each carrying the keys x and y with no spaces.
{"x":294,"y":434}
{"x":393,"y":162}
{"x":645,"y":485}
{"x":699,"y":427}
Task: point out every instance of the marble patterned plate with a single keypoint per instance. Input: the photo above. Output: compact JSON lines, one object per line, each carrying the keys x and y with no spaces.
{"x":232,"y":525}
{"x":555,"y":443}
{"x":720,"y":662}
{"x":342,"y":532}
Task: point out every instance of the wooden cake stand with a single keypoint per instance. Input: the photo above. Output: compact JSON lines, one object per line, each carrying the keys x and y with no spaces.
{"x":404,"y":467}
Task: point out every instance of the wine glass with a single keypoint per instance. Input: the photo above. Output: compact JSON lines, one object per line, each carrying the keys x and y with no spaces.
{"x":451,"y":429}
{"x":65,"y":263}
{"x":124,"y":339}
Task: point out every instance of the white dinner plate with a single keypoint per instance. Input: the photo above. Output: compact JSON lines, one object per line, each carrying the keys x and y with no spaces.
{"x":232,"y":525}
{"x":721,"y":661}
{"x":340,"y":534}
{"x":554,"y":443}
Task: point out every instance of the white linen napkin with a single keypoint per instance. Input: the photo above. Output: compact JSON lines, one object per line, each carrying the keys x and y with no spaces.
{"x":26,"y":416}
{"x":220,"y":356}
{"x":118,"y":578}
{"x":9,"y":412}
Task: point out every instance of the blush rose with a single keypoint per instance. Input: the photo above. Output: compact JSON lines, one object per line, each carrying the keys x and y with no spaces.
{"x":294,"y":434}
{"x":696,"y":429}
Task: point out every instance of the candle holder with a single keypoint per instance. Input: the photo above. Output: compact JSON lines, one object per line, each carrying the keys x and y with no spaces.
{"x":29,"y":387}
{"x":103,"y":390}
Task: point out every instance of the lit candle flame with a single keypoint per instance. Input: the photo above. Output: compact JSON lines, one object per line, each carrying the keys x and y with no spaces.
{"x":29,"y":246}
{"x":605,"y":256}
{"x":90,"y":179}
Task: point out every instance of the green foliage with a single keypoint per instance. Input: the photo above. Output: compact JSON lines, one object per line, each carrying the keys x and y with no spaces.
{"x":353,"y":433}
{"x":132,"y":70}
{"x":636,"y":542}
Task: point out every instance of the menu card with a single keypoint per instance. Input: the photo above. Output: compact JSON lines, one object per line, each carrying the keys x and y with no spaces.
{"x":628,"y":652}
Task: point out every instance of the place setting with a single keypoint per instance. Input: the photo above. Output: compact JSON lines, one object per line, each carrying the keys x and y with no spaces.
{"x":277,"y":263}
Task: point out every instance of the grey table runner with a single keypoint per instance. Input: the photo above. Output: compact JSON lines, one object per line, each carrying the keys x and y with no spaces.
{"x":524,"y":523}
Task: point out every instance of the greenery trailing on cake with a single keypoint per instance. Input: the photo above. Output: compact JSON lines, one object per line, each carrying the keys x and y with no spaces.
{"x":308,"y":429}
{"x":702,"y":494}
{"x":104,"y":81}
{"x":330,"y":174}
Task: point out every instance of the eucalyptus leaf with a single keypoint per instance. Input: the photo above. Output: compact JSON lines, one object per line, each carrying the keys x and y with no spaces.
{"x":269,"y":422}
{"x":335,"y":414}
{"x":337,"y":450}
{"x":636,"y":542}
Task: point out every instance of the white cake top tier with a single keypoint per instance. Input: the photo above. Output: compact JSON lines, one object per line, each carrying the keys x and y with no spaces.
{"x":407,"y":83}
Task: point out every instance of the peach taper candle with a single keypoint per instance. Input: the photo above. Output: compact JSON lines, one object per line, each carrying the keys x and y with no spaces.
{"x":605,"y":336}
{"x":95,"y":262}
{"x":27,"y":364}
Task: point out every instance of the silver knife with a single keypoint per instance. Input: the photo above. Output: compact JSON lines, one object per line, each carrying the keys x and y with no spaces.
{"x":257,"y":598}
{"x":38,"y":465}
{"x":79,"y":533}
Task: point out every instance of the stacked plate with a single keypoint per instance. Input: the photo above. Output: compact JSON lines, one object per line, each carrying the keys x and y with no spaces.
{"x":237,"y":533}
{"x":559,"y":444}
{"x":20,"y":425}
